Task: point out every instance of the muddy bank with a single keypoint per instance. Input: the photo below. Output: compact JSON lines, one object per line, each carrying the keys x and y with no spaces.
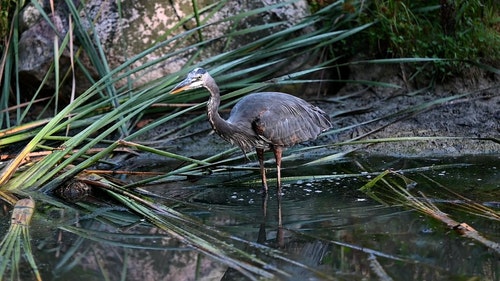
{"x":472,"y":111}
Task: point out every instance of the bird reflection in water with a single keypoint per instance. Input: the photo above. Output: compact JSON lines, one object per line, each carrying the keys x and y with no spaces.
{"x":280,"y":237}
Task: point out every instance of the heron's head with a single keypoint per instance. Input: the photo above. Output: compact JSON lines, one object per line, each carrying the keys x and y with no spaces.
{"x":195,"y":79}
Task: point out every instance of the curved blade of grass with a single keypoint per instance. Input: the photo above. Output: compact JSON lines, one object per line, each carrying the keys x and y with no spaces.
{"x":21,"y":132}
{"x":184,"y":169}
{"x":10,"y":169}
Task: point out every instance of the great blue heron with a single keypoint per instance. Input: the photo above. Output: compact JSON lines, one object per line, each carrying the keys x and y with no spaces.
{"x":264,"y":121}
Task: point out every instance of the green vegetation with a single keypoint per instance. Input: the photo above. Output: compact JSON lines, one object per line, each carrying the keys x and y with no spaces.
{"x":459,"y":35}
{"x":7,"y":8}
{"x":460,"y":32}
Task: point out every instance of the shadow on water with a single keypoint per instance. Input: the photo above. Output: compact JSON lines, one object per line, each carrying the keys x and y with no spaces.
{"x":322,"y":228}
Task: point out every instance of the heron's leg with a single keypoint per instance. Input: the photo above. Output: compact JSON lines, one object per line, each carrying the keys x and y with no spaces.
{"x":260,"y":156}
{"x":262,"y":237}
{"x":280,"y":237}
{"x":278,"y":151}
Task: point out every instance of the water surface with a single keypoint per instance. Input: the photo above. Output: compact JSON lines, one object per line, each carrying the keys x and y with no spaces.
{"x":322,"y":228}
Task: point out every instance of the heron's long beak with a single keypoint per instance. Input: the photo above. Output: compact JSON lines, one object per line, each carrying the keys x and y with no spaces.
{"x":181,"y":87}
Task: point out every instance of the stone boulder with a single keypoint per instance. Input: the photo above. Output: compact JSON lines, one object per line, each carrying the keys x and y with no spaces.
{"x":127,"y":30}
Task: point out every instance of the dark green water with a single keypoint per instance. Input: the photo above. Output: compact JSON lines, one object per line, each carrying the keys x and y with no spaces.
{"x":323,"y":227}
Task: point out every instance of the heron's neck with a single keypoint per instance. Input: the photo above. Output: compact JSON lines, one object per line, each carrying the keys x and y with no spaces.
{"x":218,"y":124}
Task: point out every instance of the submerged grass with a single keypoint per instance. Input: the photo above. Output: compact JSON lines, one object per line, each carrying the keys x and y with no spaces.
{"x":397,"y":193}
{"x":17,"y":242}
